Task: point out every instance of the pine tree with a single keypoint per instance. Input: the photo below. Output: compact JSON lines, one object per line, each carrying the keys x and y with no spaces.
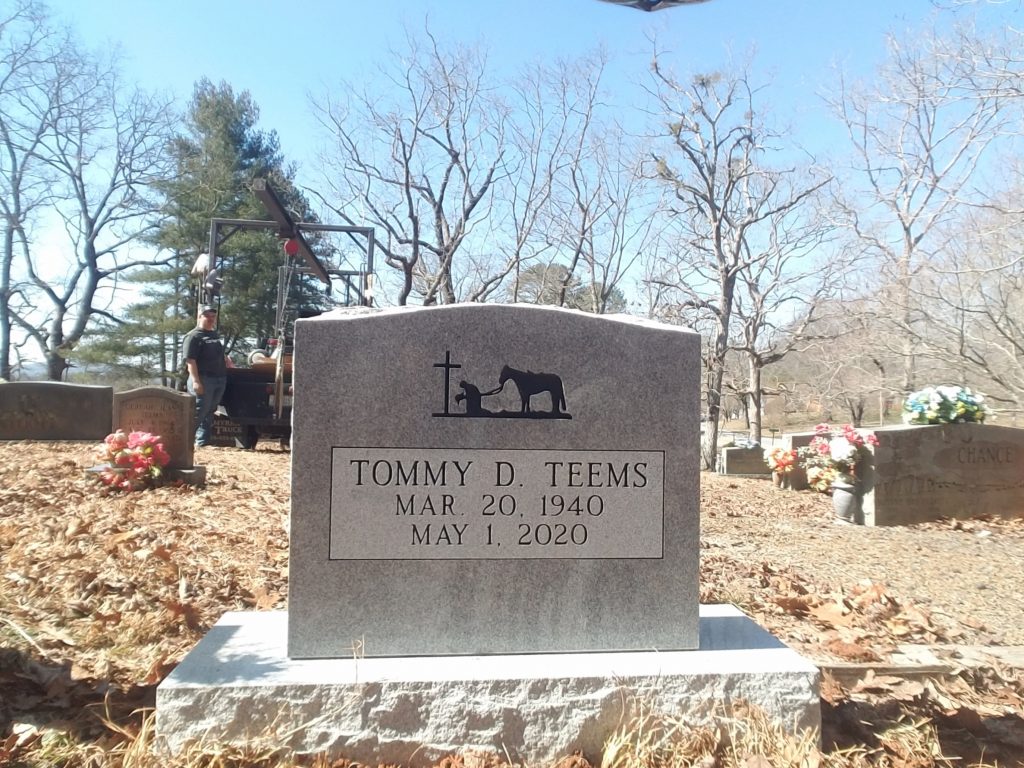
{"x":216,"y":158}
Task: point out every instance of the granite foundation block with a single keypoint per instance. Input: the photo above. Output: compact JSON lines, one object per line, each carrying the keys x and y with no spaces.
{"x":239,"y":686}
{"x":798,"y":475}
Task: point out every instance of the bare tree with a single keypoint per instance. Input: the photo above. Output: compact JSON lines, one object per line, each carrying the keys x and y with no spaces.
{"x":723,"y":197}
{"x":29,"y":103}
{"x":920,"y":133}
{"x":421,"y":167}
{"x":973,"y":303}
{"x":78,"y":150}
{"x":779,"y":295}
{"x":587,"y":227}
{"x":610,"y":220}
{"x":105,"y":146}
{"x":840,"y":371}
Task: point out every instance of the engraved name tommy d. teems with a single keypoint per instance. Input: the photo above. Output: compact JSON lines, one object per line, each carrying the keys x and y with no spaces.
{"x":520,"y":505}
{"x":574,"y":474}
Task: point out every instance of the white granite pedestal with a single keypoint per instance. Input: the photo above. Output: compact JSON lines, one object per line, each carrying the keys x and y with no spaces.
{"x":237,"y":685}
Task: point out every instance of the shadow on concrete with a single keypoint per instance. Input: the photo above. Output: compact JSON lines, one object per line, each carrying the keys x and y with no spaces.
{"x":208,"y":663}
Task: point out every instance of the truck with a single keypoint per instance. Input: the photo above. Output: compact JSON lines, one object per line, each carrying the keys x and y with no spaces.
{"x":257,"y":400}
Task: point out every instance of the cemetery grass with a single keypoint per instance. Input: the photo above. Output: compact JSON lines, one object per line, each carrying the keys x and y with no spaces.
{"x":101,"y":595}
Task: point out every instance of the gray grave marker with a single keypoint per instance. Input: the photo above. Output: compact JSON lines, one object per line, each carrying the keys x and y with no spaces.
{"x":159,"y":411}
{"x":492,"y":479}
{"x":736,"y":460}
{"x":952,"y":470}
{"x":52,"y":410}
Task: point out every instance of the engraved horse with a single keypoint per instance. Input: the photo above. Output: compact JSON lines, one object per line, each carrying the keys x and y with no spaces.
{"x":529,"y":384}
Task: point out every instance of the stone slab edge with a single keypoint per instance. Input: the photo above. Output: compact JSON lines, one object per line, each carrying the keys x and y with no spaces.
{"x":189,"y":476}
{"x":238,"y":686}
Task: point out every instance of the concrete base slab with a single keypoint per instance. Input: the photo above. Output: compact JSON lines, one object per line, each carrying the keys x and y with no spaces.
{"x":237,"y":685}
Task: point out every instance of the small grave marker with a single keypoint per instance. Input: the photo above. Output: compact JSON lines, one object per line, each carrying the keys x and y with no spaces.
{"x":740,"y":460}
{"x":159,"y":411}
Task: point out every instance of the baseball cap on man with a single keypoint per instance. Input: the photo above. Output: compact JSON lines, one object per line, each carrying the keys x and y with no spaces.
{"x":208,"y":309}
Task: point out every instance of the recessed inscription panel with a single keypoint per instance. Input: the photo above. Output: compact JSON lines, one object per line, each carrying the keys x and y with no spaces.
{"x":450,"y":504}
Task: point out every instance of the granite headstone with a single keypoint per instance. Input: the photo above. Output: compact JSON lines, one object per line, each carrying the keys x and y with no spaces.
{"x":740,"y":460}
{"x":922,"y":473}
{"x":481,"y":479}
{"x":159,"y":411}
{"x":52,"y":410}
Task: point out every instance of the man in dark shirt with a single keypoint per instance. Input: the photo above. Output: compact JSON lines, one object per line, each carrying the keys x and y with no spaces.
{"x":207,"y":371}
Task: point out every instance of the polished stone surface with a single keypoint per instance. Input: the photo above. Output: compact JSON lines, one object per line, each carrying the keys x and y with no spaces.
{"x":493,"y":479}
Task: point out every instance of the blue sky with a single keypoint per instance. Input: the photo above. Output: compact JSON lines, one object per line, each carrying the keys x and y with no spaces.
{"x":284,"y":51}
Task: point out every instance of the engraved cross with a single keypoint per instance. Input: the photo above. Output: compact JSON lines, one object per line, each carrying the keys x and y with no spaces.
{"x":448,"y":366}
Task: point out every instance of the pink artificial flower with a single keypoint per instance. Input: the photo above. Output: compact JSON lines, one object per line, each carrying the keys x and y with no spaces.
{"x":116,"y":441}
{"x":140,"y":439}
{"x":822,"y":429}
{"x":162,"y":457}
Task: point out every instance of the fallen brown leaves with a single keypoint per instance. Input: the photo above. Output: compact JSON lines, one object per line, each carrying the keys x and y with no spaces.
{"x":859,"y":622}
{"x":972,"y":716}
{"x":101,"y":595}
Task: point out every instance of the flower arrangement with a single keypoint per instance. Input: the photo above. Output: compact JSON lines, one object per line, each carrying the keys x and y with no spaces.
{"x":833,"y":455}
{"x":131,"y":462}
{"x":780,"y":460}
{"x":944,"y":405}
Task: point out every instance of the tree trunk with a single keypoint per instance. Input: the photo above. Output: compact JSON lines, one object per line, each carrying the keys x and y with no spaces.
{"x":906,"y":318}
{"x":56,"y":366}
{"x":755,"y":413}
{"x":163,"y":360}
{"x":709,"y":438}
{"x":5,"y":308}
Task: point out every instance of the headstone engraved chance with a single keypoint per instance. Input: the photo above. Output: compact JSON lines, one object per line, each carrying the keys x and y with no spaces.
{"x":51,"y":410}
{"x":492,"y":479}
{"x":159,"y":411}
{"x":924,"y":473}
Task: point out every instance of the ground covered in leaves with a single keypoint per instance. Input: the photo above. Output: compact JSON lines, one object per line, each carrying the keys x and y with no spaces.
{"x":101,"y":595}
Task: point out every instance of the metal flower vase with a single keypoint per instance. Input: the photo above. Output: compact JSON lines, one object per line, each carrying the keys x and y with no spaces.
{"x":846,"y":502}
